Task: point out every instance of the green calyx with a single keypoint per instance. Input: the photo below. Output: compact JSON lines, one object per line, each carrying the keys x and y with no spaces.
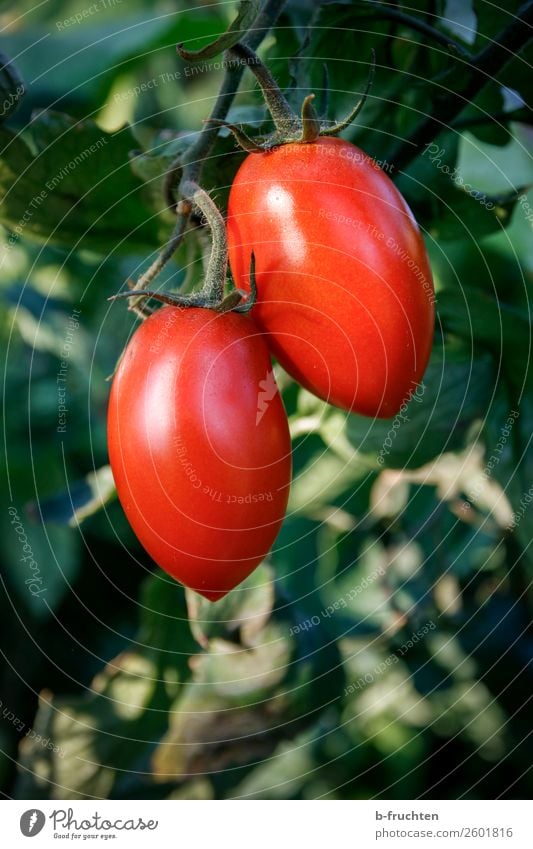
{"x":212,"y":295}
{"x":306,"y":127}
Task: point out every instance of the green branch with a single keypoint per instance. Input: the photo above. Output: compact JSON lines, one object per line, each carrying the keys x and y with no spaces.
{"x":381,"y":12}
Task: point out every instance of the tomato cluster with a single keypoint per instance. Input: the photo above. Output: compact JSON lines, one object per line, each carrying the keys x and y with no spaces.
{"x":198,"y":437}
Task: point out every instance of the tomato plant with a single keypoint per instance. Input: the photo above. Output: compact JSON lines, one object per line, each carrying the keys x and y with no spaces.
{"x":345,"y":291}
{"x":406,"y":540}
{"x":199,"y":445}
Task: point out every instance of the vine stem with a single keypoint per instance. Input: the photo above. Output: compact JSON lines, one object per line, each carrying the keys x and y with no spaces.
{"x":202,"y":147}
{"x":190,"y":165}
{"x":289,"y":127}
{"x":278,"y":106}
{"x":211,"y":296}
{"x":448,"y":104}
{"x":379,"y":11}
{"x":167,"y":251}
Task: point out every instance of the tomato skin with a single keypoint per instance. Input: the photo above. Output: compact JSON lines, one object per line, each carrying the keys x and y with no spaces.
{"x":202,"y":477}
{"x":345,"y":290}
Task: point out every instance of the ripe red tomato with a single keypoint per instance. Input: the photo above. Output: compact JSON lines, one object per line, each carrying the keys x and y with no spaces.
{"x":199,"y":445}
{"x":345,"y":290}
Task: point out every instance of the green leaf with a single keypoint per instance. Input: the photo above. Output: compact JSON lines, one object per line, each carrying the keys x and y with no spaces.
{"x":292,"y":767}
{"x":240,"y":615}
{"x":449,"y":204}
{"x":469,"y":214}
{"x":513,"y":464}
{"x":261,"y":672}
{"x":217,"y":174}
{"x":493,"y":169}
{"x":165,"y":632}
{"x":77,"y":190}
{"x":428,"y":176}
{"x":488,"y":103}
{"x":99,"y":738}
{"x":327,"y":474}
{"x":76,"y":64}
{"x":455,"y":391}
{"x":151,"y":165}
{"x":41,"y":562}
{"x":11,"y":88}
{"x":477,"y":316}
{"x":494,"y":267}
{"x":109,"y":731}
{"x":82,"y":499}
{"x":492,"y":20}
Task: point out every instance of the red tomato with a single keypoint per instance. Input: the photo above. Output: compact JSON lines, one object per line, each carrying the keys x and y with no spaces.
{"x":345,"y":290}
{"x":199,"y":445}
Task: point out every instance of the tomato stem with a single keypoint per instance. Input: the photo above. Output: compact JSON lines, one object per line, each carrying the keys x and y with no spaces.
{"x":285,"y":120}
{"x":243,"y":140}
{"x":188,"y":166}
{"x":209,"y":297}
{"x":217,"y":266}
{"x":215,"y":278}
{"x":145,"y":279}
{"x":245,"y":18}
{"x":289,"y":127}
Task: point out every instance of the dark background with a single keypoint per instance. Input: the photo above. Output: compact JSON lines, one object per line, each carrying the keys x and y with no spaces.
{"x":385,"y":648}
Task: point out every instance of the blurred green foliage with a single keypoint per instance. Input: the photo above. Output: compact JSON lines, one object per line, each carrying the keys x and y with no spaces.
{"x":385,"y":648}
